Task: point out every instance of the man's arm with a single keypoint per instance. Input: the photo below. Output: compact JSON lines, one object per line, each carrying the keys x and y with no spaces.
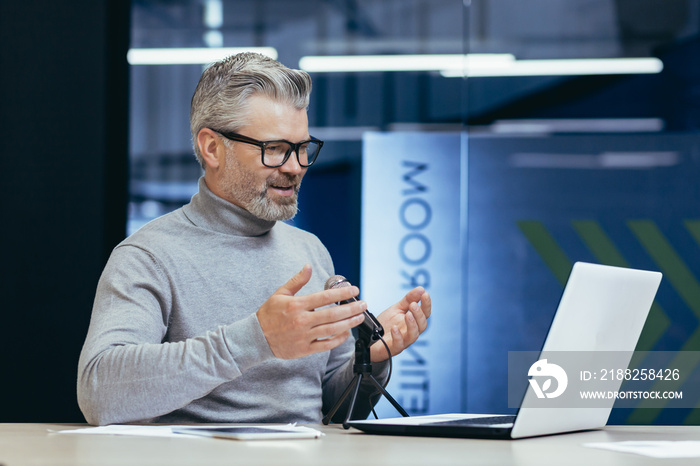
{"x":127,"y":373}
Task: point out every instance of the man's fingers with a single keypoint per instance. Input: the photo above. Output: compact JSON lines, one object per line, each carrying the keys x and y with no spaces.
{"x":329,"y":343}
{"x":327,"y":297}
{"x":318,"y":299}
{"x":426,"y":304}
{"x":340,"y":313}
{"x":334,"y":328}
{"x":293,"y":324}
{"x":296,"y":283}
{"x":418,"y":313}
{"x":412,"y":296}
{"x":412,"y":329}
{"x":397,"y":340}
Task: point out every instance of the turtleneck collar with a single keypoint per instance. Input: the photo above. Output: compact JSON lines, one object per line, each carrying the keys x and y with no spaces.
{"x":207,"y":210}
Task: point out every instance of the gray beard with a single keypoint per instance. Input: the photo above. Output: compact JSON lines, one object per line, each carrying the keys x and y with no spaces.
{"x":240,"y":185}
{"x":263,"y":208}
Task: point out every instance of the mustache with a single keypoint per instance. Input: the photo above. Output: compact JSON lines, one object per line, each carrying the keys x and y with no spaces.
{"x":284,"y":180}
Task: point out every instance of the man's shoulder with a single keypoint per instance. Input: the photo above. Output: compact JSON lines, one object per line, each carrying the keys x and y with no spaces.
{"x":160,"y":231}
{"x":303,"y":242}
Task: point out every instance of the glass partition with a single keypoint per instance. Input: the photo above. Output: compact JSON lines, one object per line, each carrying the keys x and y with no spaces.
{"x":584,"y":147}
{"x":572,"y":126}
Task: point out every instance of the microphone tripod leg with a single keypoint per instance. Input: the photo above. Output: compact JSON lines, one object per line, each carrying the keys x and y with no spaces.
{"x":389,"y":398}
{"x":362,"y":367}
{"x":354,"y":384}
{"x":351,"y":408}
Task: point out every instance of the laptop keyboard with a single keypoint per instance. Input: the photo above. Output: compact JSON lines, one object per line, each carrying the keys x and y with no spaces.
{"x":504,"y":419}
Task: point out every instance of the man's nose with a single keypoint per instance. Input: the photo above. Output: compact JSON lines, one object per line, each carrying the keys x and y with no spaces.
{"x":292,"y":165}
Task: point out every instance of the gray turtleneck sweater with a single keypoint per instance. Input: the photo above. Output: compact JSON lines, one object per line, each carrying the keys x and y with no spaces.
{"x":174,"y":335}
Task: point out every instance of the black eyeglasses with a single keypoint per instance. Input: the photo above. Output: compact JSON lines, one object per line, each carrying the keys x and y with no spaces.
{"x":276,"y":153}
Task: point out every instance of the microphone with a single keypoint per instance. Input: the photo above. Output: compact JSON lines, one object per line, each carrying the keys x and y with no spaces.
{"x":370,"y":327}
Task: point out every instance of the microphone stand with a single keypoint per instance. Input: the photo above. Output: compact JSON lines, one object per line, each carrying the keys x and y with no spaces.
{"x":362,"y":369}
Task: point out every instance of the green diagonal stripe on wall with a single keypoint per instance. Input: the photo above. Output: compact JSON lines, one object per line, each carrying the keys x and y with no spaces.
{"x":657,"y":322}
{"x":607,"y":253}
{"x":682,"y":280}
{"x":654,"y":328}
{"x":675,"y":272}
{"x":548,"y":249}
{"x":693,"y":227}
{"x":599,"y":243}
{"x":672,"y":266}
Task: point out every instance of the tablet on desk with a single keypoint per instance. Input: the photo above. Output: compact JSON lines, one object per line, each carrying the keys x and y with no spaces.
{"x":250,"y":432}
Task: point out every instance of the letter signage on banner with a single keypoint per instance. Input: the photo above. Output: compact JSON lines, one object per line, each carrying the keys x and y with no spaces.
{"x":411,"y":237}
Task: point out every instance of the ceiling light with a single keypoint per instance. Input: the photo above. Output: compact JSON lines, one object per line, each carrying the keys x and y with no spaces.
{"x":560,"y":67}
{"x":605,"y":160}
{"x":577,"y":125}
{"x":369,"y":63}
{"x":478,"y":65}
{"x":190,"y":56}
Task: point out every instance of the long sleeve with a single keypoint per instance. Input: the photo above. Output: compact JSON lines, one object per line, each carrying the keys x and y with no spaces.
{"x":126,"y":370}
{"x":174,"y":335}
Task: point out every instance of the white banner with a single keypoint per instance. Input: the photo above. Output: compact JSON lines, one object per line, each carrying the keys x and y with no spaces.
{"x":411,"y":237}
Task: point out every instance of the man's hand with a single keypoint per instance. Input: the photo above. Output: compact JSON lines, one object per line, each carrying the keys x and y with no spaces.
{"x":402,"y":323}
{"x":294,"y":328}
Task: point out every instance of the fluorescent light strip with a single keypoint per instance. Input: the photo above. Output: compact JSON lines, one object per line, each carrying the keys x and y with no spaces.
{"x":479,"y":65}
{"x":578,"y":125}
{"x":605,"y":160}
{"x":190,"y":56}
{"x":562,"y":67}
{"x":369,"y":63}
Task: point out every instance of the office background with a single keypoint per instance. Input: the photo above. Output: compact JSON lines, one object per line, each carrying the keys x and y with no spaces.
{"x":556,"y":168}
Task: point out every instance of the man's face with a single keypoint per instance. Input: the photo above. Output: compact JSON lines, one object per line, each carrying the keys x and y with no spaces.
{"x":267,"y":193}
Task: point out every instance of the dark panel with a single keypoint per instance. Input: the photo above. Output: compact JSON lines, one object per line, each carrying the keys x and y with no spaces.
{"x":329,"y":207}
{"x":63,"y":94}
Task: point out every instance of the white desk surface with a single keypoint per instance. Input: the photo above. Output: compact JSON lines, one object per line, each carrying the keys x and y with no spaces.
{"x":32,"y":444}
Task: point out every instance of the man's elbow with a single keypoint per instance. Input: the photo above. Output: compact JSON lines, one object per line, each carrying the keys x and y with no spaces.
{"x":95,"y":411}
{"x":100,"y":405}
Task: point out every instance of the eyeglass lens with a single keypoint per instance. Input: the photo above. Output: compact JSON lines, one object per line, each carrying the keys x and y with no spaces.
{"x":276,"y":152}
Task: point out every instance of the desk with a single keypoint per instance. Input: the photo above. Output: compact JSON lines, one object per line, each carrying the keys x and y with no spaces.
{"x":32,"y":444}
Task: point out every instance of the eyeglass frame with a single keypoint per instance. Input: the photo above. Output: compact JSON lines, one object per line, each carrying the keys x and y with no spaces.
{"x":294,"y":147}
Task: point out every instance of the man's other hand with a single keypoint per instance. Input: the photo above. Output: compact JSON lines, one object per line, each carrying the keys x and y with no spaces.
{"x":403,"y":323}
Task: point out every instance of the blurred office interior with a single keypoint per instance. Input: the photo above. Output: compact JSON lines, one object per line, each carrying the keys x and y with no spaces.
{"x":576,"y":124}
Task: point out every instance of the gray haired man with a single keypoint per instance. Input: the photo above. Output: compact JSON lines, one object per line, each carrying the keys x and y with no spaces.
{"x":213,"y":313}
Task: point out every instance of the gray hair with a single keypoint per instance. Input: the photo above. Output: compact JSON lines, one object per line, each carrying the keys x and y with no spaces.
{"x":220,"y":99}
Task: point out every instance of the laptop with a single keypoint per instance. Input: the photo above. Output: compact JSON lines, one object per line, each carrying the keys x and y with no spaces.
{"x":602,"y":309}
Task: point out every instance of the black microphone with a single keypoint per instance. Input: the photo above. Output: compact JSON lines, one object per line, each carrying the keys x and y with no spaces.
{"x":370,"y":327}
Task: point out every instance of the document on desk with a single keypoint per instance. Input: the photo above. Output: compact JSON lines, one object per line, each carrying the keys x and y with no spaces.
{"x":653,"y":448}
{"x":252,"y":432}
{"x":237,"y":432}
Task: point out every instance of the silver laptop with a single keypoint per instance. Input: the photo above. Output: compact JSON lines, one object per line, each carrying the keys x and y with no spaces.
{"x":602,"y":309}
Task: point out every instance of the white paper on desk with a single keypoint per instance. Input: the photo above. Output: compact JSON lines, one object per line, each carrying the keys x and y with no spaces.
{"x":167,"y":430}
{"x":242,"y":432}
{"x":654,"y":448}
{"x":144,"y":431}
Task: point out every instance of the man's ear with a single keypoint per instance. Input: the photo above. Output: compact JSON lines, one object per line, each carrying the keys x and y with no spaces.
{"x":211,"y":147}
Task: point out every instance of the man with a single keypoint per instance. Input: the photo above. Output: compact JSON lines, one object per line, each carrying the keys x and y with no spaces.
{"x":215,"y":312}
